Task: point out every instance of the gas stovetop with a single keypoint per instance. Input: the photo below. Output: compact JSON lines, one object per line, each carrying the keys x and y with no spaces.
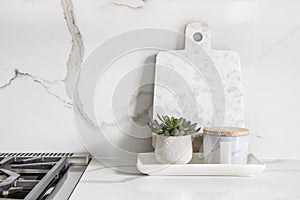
{"x":40,"y":176}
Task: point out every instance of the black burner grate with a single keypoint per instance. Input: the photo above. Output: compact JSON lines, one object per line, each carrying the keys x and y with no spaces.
{"x":49,"y":154}
{"x":30,"y":175}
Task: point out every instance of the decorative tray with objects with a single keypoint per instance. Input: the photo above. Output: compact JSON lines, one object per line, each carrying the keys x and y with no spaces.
{"x":147,"y":164}
{"x":198,"y":85}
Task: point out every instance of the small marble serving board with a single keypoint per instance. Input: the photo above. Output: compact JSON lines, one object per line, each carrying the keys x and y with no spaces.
{"x":147,"y":164}
{"x":199,"y":83}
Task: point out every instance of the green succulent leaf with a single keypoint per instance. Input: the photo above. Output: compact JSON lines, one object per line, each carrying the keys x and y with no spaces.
{"x":172,"y":126}
{"x":188,"y":123}
{"x":160,"y":118}
{"x":193,"y":126}
{"x":155,"y":122}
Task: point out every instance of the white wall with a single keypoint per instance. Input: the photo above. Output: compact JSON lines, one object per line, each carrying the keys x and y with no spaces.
{"x":35,"y":110}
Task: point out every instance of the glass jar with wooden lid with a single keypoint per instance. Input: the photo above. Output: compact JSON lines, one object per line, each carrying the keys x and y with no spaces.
{"x":225,"y":145}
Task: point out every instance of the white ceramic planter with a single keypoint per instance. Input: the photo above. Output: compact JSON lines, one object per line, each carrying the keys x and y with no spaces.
{"x":173,"y":149}
{"x":228,"y":146}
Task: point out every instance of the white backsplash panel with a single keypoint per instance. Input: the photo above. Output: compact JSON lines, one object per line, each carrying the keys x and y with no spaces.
{"x":46,"y":41}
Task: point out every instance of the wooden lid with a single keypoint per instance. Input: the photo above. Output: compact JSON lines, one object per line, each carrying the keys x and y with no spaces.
{"x":226,"y":131}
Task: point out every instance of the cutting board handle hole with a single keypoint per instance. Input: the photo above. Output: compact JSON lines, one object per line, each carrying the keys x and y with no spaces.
{"x":197,"y":37}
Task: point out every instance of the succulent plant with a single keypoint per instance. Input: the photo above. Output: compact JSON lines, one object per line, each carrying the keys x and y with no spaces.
{"x":172,"y":126}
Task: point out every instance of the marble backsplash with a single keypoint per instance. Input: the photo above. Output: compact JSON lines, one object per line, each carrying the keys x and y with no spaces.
{"x":43,"y":44}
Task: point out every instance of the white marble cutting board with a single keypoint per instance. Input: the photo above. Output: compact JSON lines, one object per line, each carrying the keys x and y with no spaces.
{"x":198,"y":82}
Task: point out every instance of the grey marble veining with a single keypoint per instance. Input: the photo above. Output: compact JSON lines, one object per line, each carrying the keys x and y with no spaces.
{"x":61,"y":89}
{"x":77,"y":50}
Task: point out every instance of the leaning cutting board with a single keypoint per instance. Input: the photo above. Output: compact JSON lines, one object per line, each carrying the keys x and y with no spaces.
{"x":198,"y":82}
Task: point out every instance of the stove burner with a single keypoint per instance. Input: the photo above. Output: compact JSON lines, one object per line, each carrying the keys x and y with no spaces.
{"x":46,"y":165}
{"x":7,"y":160}
{"x":31,"y":178}
{"x":9,"y":181}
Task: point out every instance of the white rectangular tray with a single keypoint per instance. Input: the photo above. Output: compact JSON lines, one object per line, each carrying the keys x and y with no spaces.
{"x":147,"y":164}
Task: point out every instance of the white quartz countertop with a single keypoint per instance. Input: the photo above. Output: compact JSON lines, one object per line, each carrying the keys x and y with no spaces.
{"x":281,"y":180}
